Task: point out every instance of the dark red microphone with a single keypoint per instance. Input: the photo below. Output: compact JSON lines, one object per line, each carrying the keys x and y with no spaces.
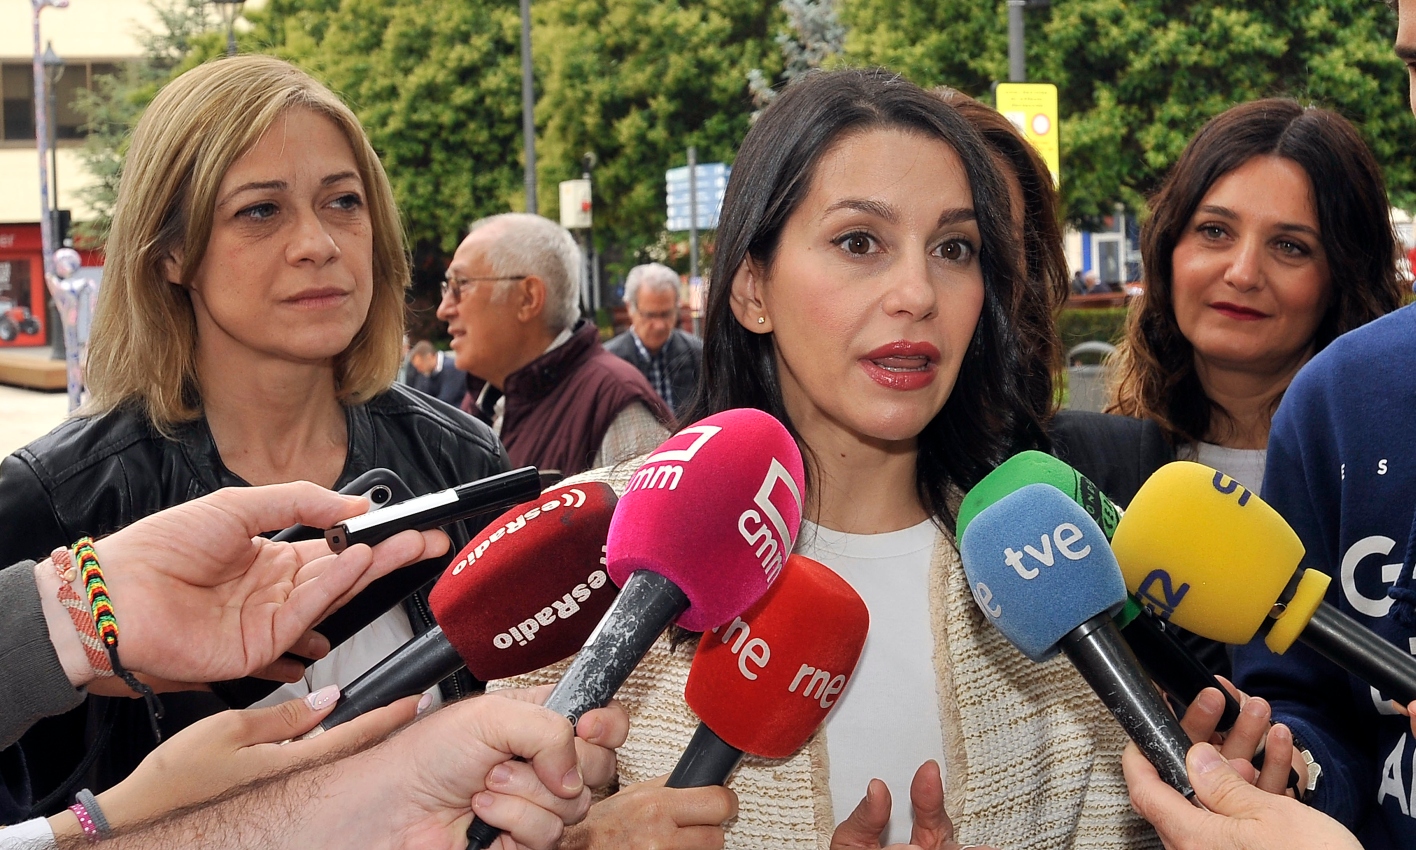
{"x":764,"y":682}
{"x":524,"y":594}
{"x":702,"y":531}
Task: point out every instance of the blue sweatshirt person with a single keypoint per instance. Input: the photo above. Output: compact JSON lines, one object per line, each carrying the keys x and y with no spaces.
{"x":1342,"y":471}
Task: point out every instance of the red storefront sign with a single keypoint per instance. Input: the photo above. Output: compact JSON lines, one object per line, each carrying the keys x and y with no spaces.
{"x":23,"y":299}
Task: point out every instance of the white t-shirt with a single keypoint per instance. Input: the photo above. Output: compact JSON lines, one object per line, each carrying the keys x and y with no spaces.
{"x":887,"y":723}
{"x":1243,"y":465}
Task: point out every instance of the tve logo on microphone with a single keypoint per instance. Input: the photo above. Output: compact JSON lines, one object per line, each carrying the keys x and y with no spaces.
{"x":1038,"y":566}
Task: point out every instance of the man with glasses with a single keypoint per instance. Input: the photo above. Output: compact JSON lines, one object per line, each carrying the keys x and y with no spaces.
{"x":667,"y":356}
{"x":537,"y":371}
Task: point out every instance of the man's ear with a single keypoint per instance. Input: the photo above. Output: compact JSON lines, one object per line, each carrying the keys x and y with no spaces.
{"x":745,"y":298}
{"x":530,"y":296}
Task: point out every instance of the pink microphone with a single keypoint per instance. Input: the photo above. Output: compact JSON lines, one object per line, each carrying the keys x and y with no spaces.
{"x":704,"y":529}
{"x":700,"y":534}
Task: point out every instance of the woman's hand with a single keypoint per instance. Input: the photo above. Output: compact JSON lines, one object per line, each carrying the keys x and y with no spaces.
{"x":200,"y":597}
{"x":233,"y":748}
{"x":933,"y":830}
{"x":648,"y":815}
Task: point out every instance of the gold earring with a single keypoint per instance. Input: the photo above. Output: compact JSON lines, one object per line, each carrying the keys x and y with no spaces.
{"x":761,"y":320}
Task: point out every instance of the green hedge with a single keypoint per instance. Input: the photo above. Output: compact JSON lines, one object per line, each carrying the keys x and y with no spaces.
{"x":1076,"y":326}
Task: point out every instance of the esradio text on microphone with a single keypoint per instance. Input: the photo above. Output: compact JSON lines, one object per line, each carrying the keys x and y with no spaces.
{"x":561,"y":609}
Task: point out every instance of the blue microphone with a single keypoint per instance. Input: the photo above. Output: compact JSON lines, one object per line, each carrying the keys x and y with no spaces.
{"x":1043,"y":573}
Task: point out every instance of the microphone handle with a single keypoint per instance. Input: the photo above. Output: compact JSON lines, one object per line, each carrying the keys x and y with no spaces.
{"x":646,"y":605}
{"x":1363,"y":653}
{"x":1174,"y":667}
{"x":1107,"y":663}
{"x":707,"y":760}
{"x":416,"y":666}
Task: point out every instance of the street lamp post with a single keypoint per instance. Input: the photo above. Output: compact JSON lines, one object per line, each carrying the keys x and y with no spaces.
{"x":230,"y":10}
{"x":528,"y":107}
{"x":53,"y":71}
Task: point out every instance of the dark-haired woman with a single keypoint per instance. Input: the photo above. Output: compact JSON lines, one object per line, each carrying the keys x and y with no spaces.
{"x":1270,"y":237}
{"x":866,"y":275}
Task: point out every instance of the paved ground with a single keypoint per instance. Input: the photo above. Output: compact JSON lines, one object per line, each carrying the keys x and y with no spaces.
{"x":26,"y":414}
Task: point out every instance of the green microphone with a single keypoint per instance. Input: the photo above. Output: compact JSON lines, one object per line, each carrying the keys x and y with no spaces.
{"x":1168,"y":661}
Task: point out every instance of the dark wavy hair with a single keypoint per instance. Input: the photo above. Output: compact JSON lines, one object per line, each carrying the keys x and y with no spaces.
{"x":1155,"y":364}
{"x":988,"y":416}
{"x":1047,"y":286}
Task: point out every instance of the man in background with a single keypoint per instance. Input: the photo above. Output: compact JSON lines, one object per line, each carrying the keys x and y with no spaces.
{"x":539,"y":374}
{"x":667,"y":356}
{"x":432,"y":372}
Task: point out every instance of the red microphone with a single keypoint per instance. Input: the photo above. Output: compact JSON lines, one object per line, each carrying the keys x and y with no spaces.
{"x":524,"y":594}
{"x":702,"y":531}
{"x":764,"y":682}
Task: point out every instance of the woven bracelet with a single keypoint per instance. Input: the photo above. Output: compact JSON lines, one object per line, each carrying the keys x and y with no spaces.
{"x":106,"y":624}
{"x":80,"y":613}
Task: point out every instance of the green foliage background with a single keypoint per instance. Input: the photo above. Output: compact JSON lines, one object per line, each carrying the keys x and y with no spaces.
{"x":437,"y":85}
{"x":1137,"y":78}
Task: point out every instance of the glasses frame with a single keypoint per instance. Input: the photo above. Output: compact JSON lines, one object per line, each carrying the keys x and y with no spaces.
{"x":455,"y":284}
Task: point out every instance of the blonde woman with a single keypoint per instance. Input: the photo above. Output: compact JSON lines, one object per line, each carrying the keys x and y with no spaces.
{"x":248,"y":332}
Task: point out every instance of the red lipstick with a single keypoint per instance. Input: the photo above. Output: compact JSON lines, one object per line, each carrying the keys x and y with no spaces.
{"x":902,"y":365}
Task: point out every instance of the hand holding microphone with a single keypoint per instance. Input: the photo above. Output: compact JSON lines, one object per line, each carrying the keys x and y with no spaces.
{"x":702,"y":531}
{"x":1042,"y":572}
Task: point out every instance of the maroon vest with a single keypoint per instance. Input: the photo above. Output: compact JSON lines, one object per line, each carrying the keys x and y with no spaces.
{"x":559,"y":406}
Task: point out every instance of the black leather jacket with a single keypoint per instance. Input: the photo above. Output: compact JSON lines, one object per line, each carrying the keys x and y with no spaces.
{"x":94,"y":475}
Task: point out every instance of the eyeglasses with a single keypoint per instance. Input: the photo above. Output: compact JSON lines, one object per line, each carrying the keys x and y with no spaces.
{"x":454,"y":285}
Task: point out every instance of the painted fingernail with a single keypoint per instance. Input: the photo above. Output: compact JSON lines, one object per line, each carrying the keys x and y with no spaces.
{"x":1204,"y":758}
{"x":322,"y":698}
{"x":573,"y":781}
{"x":425,"y":703}
{"x":500,"y":775}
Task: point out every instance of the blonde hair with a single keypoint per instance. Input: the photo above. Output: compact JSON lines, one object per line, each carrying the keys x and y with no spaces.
{"x":142,"y":349}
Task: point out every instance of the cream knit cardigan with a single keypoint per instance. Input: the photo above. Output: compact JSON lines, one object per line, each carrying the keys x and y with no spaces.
{"x":1033,"y":759}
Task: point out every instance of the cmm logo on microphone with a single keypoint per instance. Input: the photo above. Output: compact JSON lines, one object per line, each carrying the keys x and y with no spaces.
{"x":763,"y":525}
{"x":664,"y":469}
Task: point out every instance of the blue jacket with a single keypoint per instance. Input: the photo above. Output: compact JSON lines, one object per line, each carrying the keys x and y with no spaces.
{"x":1342,"y":471}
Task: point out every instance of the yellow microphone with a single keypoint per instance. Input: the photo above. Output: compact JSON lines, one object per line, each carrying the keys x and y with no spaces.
{"x":1199,"y":549}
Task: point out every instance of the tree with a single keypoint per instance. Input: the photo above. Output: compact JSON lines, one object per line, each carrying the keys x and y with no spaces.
{"x":112,"y":107}
{"x":637,"y":82}
{"x":815,"y":37}
{"x":1137,"y":78}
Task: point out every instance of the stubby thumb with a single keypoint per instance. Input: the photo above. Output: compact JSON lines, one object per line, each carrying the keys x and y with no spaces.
{"x":861,"y":830}
{"x":1220,"y":787}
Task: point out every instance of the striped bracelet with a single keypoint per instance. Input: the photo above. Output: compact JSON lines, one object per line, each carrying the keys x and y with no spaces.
{"x":79,"y":612}
{"x":106,"y":624}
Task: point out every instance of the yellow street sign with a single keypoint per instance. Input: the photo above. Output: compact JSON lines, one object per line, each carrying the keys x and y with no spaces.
{"x":1032,"y":107}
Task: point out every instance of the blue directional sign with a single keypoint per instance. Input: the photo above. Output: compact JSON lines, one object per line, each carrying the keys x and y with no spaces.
{"x":712,"y":182}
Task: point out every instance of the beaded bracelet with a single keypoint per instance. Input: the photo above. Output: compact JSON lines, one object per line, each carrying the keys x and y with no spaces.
{"x":106,"y":623}
{"x":86,"y":823}
{"x":89,"y":802}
